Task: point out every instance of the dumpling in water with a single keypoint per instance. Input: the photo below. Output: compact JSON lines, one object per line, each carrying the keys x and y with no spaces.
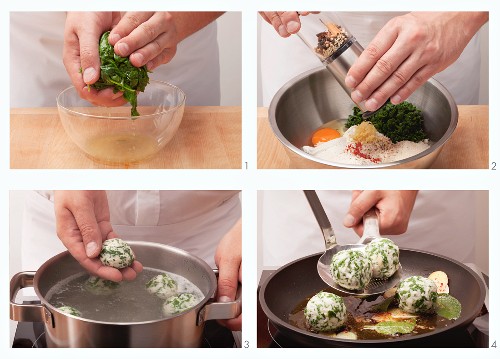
{"x":99,"y":286}
{"x":162,"y":285}
{"x":70,"y":310}
{"x":417,"y":295}
{"x":351,"y":269}
{"x":384,"y":255}
{"x":116,"y":253}
{"x":325,"y":311}
{"x":179,"y":303}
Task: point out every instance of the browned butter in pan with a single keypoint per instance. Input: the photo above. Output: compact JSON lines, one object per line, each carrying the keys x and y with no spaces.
{"x":361,"y":313}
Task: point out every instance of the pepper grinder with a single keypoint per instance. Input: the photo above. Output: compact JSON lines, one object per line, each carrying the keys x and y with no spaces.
{"x":334,"y":45}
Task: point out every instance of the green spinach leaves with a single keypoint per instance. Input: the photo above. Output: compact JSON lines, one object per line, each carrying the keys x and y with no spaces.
{"x":402,"y":122}
{"x":119,"y":73}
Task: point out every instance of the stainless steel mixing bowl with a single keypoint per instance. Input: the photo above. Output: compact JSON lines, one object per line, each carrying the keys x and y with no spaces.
{"x":313,"y":98}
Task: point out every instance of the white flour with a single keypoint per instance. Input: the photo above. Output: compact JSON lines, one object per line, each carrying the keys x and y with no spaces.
{"x":341,"y":150}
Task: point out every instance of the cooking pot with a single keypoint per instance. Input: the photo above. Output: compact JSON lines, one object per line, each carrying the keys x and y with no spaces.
{"x":280,"y":294}
{"x":182,"y":330}
{"x":314,"y":97}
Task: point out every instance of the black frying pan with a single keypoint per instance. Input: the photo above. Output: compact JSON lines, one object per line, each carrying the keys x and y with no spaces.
{"x":296,"y":281}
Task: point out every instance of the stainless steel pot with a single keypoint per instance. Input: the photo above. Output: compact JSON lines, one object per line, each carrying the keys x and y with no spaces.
{"x":182,"y":330}
{"x":313,"y":98}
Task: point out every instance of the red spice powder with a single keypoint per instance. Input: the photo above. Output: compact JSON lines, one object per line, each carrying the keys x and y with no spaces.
{"x":356,"y":149}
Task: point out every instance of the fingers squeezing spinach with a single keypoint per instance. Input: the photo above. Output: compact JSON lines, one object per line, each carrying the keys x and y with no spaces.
{"x":119,"y":73}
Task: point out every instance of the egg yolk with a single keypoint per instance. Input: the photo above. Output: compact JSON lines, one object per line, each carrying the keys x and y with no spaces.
{"x":324,"y":135}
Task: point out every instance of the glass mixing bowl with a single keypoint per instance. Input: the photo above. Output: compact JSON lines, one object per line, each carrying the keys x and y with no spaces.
{"x":111,"y":135}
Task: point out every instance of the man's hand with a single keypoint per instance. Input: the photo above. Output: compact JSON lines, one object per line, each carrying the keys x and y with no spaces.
{"x":83,"y":223}
{"x":407,"y":51}
{"x":81,"y":54}
{"x":285,"y":23}
{"x":228,"y":260}
{"x":149,"y":38}
{"x":394,"y":210}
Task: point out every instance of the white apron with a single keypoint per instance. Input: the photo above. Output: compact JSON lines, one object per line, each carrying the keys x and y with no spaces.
{"x":282,"y":59}
{"x":194,"y":221}
{"x":38,"y":74}
{"x":442,"y":222}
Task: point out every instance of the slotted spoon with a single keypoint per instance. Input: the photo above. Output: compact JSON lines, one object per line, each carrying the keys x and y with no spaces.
{"x":370,"y":232}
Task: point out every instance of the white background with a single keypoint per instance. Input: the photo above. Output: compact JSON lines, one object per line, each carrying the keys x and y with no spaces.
{"x":250,"y":180}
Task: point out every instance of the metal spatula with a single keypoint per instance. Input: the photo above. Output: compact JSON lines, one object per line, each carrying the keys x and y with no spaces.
{"x":370,"y":232}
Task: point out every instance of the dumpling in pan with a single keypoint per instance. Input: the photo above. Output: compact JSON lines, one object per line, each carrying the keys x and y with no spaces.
{"x":179,"y":303}
{"x":351,"y":269}
{"x":162,"y":285}
{"x":417,"y":295}
{"x":384,"y":255}
{"x":70,"y":310}
{"x":99,"y":286}
{"x":325,"y":311}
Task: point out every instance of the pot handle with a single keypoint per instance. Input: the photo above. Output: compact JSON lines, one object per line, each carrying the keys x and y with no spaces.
{"x":26,"y":312}
{"x":219,"y":310}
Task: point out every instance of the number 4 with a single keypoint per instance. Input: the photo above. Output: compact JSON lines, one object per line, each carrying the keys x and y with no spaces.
{"x":494,"y":345}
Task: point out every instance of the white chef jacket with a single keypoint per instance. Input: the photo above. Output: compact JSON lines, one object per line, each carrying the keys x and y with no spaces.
{"x":38,"y":74}
{"x":282,"y":59}
{"x":442,"y":222}
{"x":194,"y":221}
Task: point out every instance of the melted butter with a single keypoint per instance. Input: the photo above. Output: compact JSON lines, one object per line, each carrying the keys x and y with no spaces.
{"x":359,"y":315}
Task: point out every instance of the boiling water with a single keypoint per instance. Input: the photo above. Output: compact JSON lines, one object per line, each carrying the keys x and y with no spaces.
{"x":128,"y":302}
{"x":122,"y":148}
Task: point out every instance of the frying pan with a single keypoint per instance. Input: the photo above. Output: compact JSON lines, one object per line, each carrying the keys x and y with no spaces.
{"x":289,"y":285}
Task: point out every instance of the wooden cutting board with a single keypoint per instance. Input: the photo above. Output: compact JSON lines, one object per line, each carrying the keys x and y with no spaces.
{"x":467,"y":148}
{"x":208,"y":137}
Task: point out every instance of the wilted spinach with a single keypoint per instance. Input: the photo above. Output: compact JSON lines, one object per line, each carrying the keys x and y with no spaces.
{"x":119,"y":73}
{"x":402,"y":122}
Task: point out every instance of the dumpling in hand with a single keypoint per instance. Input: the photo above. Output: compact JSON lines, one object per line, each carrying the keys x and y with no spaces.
{"x":116,"y":253}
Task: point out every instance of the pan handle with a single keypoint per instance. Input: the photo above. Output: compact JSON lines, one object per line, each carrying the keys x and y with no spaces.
{"x":26,"y":312}
{"x":219,"y":310}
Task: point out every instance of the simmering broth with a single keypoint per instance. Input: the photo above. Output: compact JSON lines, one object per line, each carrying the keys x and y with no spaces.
{"x":129,"y":301}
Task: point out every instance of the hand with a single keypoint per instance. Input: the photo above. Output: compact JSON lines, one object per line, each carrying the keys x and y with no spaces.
{"x":285,"y":23}
{"x":81,"y":54}
{"x":83,"y":223}
{"x":394,"y":210}
{"x":407,"y":52}
{"x":228,"y":260}
{"x":149,"y":38}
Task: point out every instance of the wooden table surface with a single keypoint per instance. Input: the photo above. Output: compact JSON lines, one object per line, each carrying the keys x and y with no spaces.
{"x":208,"y":137}
{"x":467,"y":148}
